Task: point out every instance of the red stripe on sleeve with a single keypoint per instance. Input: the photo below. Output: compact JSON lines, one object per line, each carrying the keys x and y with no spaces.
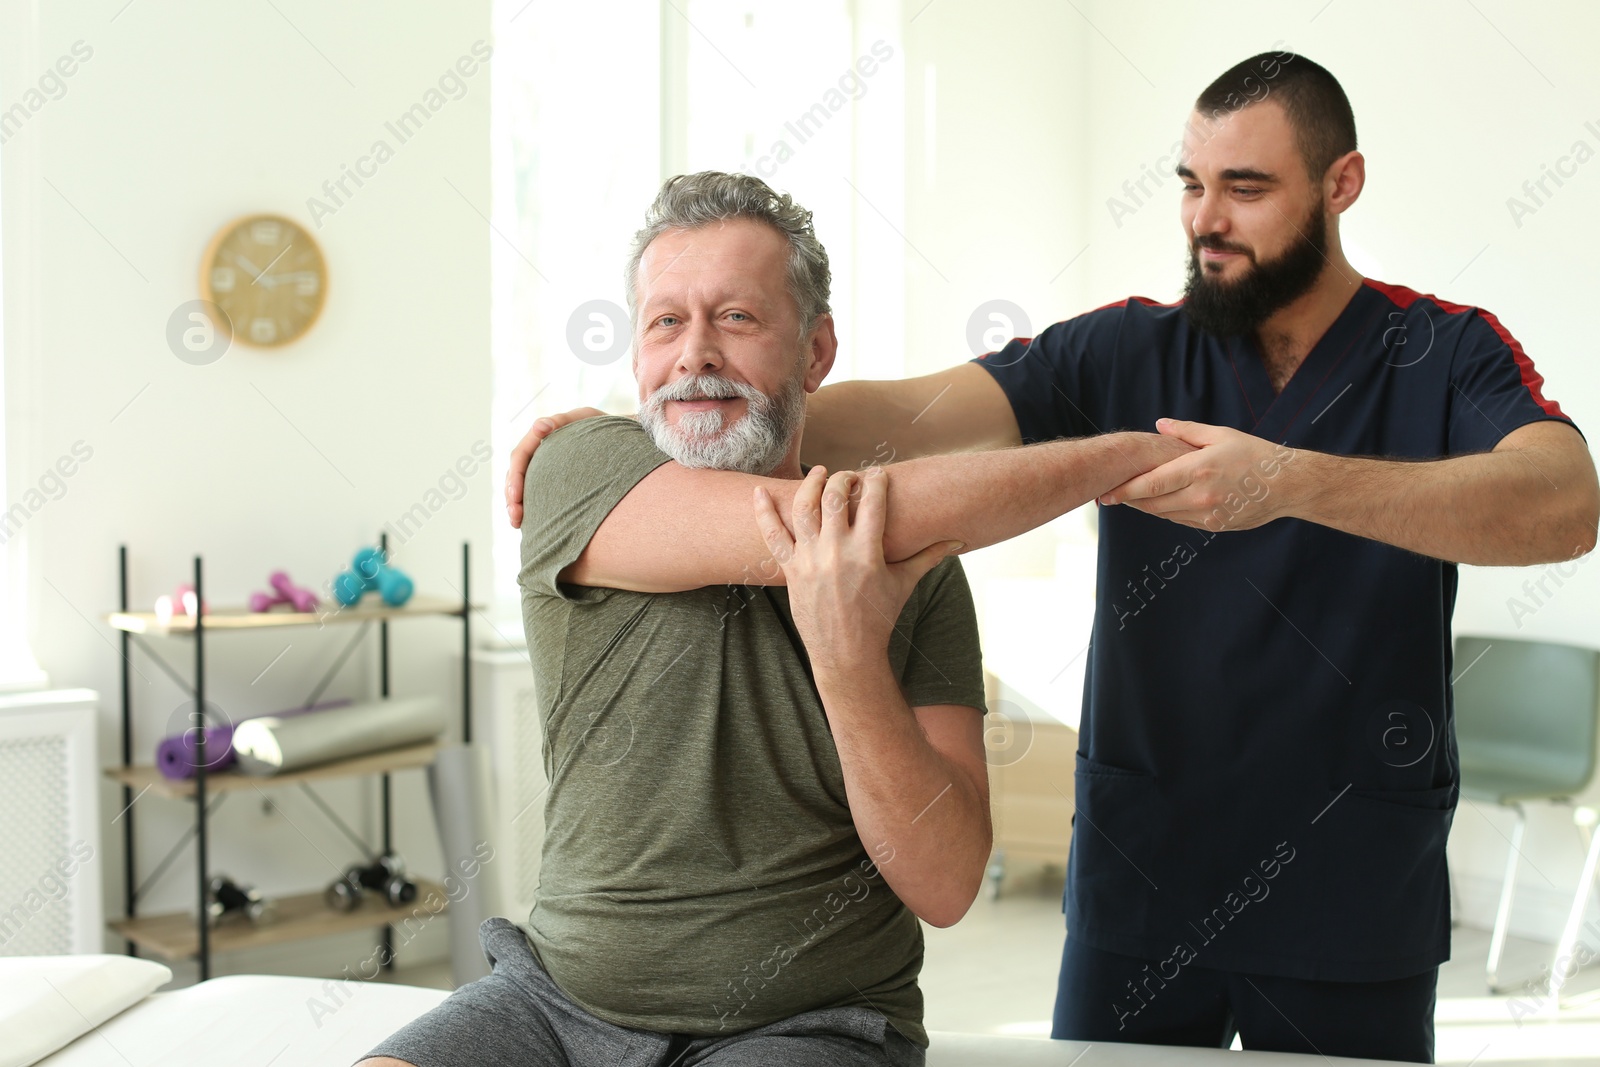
{"x":1024,"y":341}
{"x":1531,"y":378}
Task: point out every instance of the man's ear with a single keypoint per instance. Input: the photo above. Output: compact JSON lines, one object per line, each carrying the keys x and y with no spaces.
{"x":821,"y":350}
{"x":1343,"y":182}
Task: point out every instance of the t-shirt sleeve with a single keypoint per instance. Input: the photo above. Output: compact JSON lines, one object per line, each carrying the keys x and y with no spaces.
{"x":1057,"y":382}
{"x":1495,"y":388}
{"x":945,"y":663}
{"x":577,"y":476}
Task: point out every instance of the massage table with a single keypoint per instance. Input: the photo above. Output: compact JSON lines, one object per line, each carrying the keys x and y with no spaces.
{"x":273,"y":1021}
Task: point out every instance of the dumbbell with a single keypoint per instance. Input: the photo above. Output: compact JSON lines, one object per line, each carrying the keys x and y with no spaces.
{"x":181,"y":602}
{"x":283,"y":592}
{"x":385,"y":874}
{"x":371,"y":572}
{"x":226,"y":897}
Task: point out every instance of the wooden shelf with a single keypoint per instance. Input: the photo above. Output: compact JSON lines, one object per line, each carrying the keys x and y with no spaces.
{"x":369,"y":610}
{"x":176,"y":936}
{"x":142,"y":777}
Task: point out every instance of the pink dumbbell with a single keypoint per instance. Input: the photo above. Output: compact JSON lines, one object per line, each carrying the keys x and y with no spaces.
{"x":181,"y":602}
{"x":283,"y":592}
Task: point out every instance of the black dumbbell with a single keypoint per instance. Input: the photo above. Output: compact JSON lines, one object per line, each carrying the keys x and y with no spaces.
{"x":226,"y":897}
{"x":386,"y":875}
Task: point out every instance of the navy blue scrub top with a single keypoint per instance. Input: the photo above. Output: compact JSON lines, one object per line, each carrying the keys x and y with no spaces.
{"x":1267,"y":769}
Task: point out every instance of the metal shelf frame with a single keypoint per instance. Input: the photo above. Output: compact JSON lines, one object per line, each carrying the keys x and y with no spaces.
{"x":130,"y":626}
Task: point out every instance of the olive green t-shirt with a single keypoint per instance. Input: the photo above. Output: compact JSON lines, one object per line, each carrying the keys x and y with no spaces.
{"x":701,"y":871}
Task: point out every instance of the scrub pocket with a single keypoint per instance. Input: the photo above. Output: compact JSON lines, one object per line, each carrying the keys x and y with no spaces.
{"x":1371,"y":883}
{"x":1115,"y":832}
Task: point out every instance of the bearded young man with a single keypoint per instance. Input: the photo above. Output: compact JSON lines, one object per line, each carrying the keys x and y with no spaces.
{"x":1267,"y":772}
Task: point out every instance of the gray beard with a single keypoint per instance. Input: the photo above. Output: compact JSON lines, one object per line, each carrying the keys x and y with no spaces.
{"x":754,"y":444}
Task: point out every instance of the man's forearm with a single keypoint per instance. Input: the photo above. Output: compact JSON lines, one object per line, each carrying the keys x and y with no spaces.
{"x":1512,"y":508}
{"x":984,"y":498}
{"x":921,"y":816}
{"x":651,"y":542}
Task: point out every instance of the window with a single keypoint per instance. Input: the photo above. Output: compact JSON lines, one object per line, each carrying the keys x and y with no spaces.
{"x":583,"y":135}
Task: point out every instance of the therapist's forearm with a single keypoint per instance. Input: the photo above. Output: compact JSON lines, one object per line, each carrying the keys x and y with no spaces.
{"x":851,"y":425}
{"x":860,"y":423}
{"x":1510,"y":508}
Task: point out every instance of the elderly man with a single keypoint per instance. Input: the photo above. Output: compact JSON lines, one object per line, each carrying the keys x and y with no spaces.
{"x":755,"y":791}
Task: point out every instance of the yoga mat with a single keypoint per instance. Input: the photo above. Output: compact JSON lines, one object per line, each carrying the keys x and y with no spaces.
{"x":177,"y":755}
{"x":276,"y":743}
{"x":460,"y":783}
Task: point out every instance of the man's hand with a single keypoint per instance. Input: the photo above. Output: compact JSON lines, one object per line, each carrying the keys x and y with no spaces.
{"x":1230,"y":480}
{"x":845,"y":597}
{"x":522,"y":455}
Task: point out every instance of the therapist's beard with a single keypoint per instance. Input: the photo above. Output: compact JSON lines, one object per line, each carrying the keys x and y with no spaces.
{"x":756,"y":443}
{"x":1237,"y":307}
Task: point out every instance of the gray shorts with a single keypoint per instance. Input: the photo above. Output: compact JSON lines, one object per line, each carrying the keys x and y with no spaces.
{"x":517,"y":1017}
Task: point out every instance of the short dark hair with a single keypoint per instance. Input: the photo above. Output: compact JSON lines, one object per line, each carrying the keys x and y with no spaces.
{"x":1318,"y":110}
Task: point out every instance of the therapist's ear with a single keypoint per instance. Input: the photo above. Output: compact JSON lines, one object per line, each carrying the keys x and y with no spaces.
{"x":821,"y":350}
{"x":1343,"y":181}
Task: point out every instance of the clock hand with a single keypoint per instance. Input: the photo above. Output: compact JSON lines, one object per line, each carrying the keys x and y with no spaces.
{"x":262,"y":272}
{"x":270,"y":280}
{"x":239,"y":258}
{"x":256,"y":272}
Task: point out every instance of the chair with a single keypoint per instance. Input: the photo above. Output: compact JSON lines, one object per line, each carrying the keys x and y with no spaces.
{"x":1527,"y":714}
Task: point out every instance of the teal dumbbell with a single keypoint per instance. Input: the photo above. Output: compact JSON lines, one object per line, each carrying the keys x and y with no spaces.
{"x":370,"y":572}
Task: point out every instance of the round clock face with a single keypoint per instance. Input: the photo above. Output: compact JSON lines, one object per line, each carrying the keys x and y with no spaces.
{"x":268,"y":275}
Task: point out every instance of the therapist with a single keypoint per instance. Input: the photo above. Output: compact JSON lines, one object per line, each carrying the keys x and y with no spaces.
{"x":1267,"y":771}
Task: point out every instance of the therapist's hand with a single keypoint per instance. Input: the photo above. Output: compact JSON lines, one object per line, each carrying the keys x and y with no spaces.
{"x":1232,"y":481}
{"x":522,"y":455}
{"x":844,"y":596}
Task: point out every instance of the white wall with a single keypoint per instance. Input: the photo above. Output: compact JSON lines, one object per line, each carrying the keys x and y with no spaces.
{"x":1045,"y":110}
{"x":185,"y":116}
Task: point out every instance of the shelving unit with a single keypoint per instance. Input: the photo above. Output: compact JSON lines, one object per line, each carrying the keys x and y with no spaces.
{"x":182,"y":935}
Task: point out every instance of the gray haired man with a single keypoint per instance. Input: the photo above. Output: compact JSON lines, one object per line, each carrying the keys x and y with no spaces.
{"x":756,"y":792}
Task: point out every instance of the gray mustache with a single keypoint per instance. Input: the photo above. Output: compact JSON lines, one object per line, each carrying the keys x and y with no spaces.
{"x":707,"y":387}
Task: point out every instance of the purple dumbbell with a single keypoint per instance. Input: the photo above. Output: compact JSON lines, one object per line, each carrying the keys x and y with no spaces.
{"x":302,"y":599}
{"x":284,"y":592}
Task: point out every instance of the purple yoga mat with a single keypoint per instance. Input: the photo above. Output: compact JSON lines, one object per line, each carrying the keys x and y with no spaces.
{"x":177,"y":756}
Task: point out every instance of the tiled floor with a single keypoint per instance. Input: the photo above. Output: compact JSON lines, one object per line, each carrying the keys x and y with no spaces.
{"x":995,"y":972}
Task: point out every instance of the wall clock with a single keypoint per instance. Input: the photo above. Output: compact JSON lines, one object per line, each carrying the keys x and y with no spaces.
{"x":268,"y":275}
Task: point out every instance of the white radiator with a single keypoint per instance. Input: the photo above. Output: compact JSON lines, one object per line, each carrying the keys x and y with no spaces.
{"x":50,"y":857}
{"x":505,"y":718}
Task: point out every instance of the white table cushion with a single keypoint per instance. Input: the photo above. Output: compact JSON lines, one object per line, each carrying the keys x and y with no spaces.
{"x":48,"y":1001}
